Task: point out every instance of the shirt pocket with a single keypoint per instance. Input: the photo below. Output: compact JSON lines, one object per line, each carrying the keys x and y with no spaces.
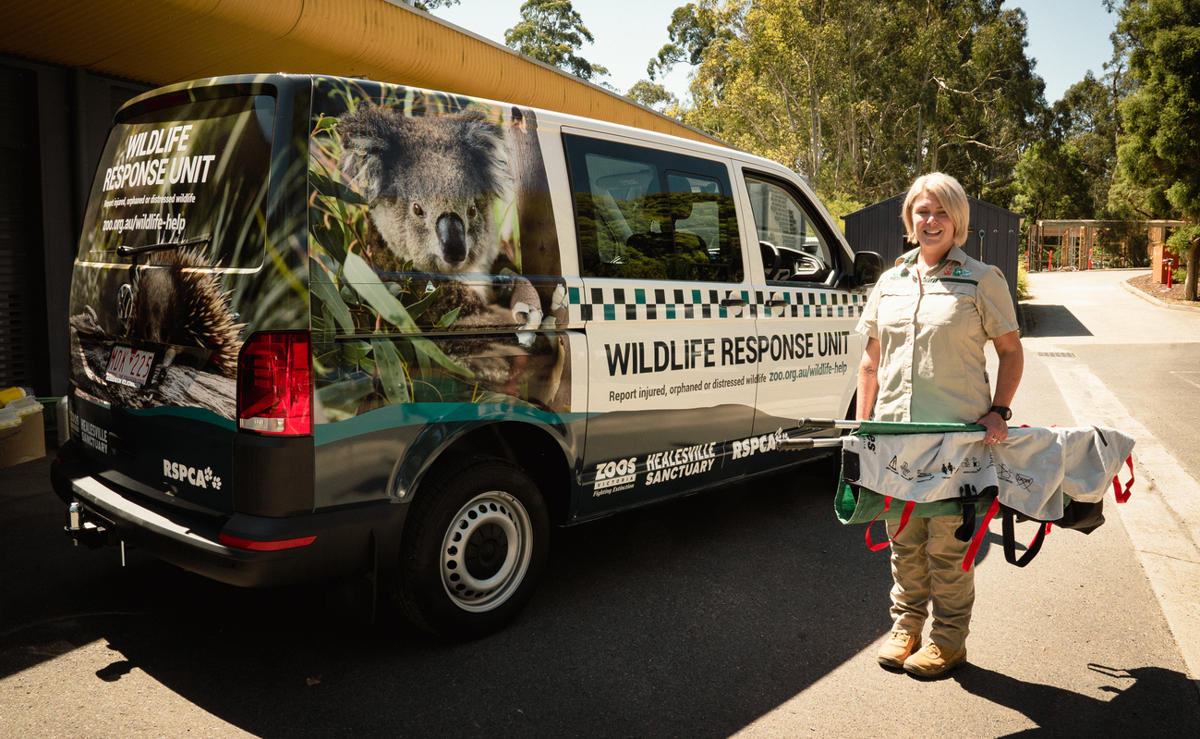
{"x":896,"y":307}
{"x":944,"y":305}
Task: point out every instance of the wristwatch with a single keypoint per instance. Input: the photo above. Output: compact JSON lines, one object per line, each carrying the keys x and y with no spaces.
{"x":1003,"y":411}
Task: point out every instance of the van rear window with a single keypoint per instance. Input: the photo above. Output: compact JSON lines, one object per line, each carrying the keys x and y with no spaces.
{"x":191,"y":176}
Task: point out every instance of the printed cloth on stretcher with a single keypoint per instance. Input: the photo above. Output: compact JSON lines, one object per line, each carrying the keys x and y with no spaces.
{"x":1032,"y":470}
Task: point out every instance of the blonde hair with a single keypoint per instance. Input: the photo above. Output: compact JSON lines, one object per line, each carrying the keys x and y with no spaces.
{"x":952,"y":197}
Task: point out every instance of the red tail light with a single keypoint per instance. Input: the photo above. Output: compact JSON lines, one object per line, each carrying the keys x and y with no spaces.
{"x":275,"y":384}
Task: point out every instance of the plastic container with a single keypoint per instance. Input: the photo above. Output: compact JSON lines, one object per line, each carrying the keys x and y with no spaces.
{"x":24,"y":406}
{"x":9,"y":394}
{"x":22,"y":431}
{"x":9,"y":419}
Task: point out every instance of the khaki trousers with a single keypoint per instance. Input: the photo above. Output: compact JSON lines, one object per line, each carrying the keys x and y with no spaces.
{"x":927,"y":568}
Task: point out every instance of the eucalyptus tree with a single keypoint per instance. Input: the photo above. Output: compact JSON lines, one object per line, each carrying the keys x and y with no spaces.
{"x":1158,"y":158}
{"x":862,"y":95}
{"x":1088,"y":117}
{"x":552,"y":31}
{"x":652,"y":95}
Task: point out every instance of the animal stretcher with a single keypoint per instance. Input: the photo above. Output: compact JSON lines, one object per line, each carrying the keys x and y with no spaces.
{"x":1054,"y":475}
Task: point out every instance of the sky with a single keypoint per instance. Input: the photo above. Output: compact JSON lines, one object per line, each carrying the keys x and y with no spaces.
{"x":1066,"y":37}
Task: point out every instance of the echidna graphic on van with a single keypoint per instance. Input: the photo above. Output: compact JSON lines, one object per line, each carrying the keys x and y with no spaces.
{"x":323,"y":326}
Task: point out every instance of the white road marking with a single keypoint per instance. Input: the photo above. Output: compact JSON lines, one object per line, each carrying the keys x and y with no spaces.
{"x":1180,"y":374}
{"x":1162,"y":517}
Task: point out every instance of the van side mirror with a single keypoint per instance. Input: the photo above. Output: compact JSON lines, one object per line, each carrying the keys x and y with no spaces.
{"x":868,"y":265}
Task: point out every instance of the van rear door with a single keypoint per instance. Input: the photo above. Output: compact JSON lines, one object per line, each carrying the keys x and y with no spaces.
{"x":163,"y":280}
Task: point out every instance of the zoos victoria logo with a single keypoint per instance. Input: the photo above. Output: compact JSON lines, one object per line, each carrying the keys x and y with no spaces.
{"x":615,"y":474}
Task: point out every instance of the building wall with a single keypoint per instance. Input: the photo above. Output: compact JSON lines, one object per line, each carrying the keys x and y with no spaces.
{"x":22,"y":331}
{"x":48,"y":152}
{"x":878,"y":228}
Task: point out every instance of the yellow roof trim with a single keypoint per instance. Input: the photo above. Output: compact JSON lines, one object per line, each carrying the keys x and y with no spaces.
{"x":165,"y":41}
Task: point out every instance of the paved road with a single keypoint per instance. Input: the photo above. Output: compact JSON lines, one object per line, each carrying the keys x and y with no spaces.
{"x":1122,"y":361}
{"x":1146,"y":354}
{"x":750,"y":612}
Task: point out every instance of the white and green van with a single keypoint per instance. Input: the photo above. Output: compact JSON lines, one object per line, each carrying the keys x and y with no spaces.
{"x":322,"y":326}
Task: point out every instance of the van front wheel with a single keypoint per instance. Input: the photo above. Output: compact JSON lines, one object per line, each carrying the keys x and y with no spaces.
{"x":473,"y":550}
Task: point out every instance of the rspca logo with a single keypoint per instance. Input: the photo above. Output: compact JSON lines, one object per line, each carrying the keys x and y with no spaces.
{"x":194,"y":476}
{"x":755,"y":444}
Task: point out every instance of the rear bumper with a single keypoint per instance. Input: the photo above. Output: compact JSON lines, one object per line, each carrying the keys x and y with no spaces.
{"x":343,"y":541}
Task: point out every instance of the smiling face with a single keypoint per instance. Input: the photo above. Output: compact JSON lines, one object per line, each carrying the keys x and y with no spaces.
{"x":945,"y":212}
{"x":932,"y":224}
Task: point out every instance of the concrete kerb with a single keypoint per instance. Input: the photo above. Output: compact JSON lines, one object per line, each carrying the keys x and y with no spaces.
{"x":1161,"y":303}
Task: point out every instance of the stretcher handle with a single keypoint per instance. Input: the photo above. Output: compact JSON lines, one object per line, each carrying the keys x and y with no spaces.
{"x":830,"y":423}
{"x":789,"y":444}
{"x":792,"y":444}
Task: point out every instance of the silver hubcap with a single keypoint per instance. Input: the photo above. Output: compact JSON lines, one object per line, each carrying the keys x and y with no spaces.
{"x":486,"y":551}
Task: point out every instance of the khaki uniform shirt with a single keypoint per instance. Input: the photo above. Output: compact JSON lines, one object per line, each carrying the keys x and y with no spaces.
{"x":931,"y":335}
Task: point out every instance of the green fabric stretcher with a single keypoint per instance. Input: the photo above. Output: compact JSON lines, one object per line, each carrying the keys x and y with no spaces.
{"x":854,"y":504}
{"x":859,"y":505}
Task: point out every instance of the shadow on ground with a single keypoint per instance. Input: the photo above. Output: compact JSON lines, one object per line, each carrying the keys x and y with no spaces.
{"x":1148,"y":697}
{"x":692,"y":617}
{"x":1051,"y":320}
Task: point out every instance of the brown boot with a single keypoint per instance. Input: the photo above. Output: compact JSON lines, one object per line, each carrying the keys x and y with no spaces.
{"x":897,"y":648}
{"x":933,"y":661}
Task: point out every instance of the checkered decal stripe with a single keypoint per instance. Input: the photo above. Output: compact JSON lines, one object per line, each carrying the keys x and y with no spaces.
{"x":668,"y":303}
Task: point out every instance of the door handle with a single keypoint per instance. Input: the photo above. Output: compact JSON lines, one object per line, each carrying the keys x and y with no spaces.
{"x":733,"y":303}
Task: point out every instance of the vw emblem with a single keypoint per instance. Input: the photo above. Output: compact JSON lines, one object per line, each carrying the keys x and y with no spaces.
{"x":124,"y":303}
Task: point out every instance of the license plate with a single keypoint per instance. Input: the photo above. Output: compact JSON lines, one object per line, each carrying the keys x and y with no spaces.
{"x":129,"y":366}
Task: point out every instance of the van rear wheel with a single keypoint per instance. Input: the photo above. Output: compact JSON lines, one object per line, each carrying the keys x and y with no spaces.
{"x":473,"y":550}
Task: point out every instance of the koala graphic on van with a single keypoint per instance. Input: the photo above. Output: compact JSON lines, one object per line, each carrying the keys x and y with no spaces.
{"x":430,"y":183}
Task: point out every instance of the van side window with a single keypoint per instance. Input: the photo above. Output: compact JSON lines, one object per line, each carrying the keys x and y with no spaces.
{"x":642,"y":213}
{"x":793,"y":249}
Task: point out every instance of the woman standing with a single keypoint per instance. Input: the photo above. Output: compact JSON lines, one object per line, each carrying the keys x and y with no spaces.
{"x":926,"y":324}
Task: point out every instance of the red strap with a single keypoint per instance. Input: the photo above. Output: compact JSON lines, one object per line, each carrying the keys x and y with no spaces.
{"x":904,"y":516}
{"x":887,"y":502}
{"x":1123,"y":495}
{"x":969,"y":558}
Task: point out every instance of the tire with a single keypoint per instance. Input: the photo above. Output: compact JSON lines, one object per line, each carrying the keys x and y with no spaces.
{"x":473,"y":550}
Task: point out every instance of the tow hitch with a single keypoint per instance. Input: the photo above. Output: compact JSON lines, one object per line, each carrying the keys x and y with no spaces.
{"x":82,"y":530}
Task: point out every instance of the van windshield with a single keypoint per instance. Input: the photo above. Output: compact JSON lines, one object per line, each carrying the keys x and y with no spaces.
{"x":191,"y":176}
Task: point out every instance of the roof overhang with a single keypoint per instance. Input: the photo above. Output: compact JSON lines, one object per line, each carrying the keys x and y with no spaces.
{"x":164,"y":41}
